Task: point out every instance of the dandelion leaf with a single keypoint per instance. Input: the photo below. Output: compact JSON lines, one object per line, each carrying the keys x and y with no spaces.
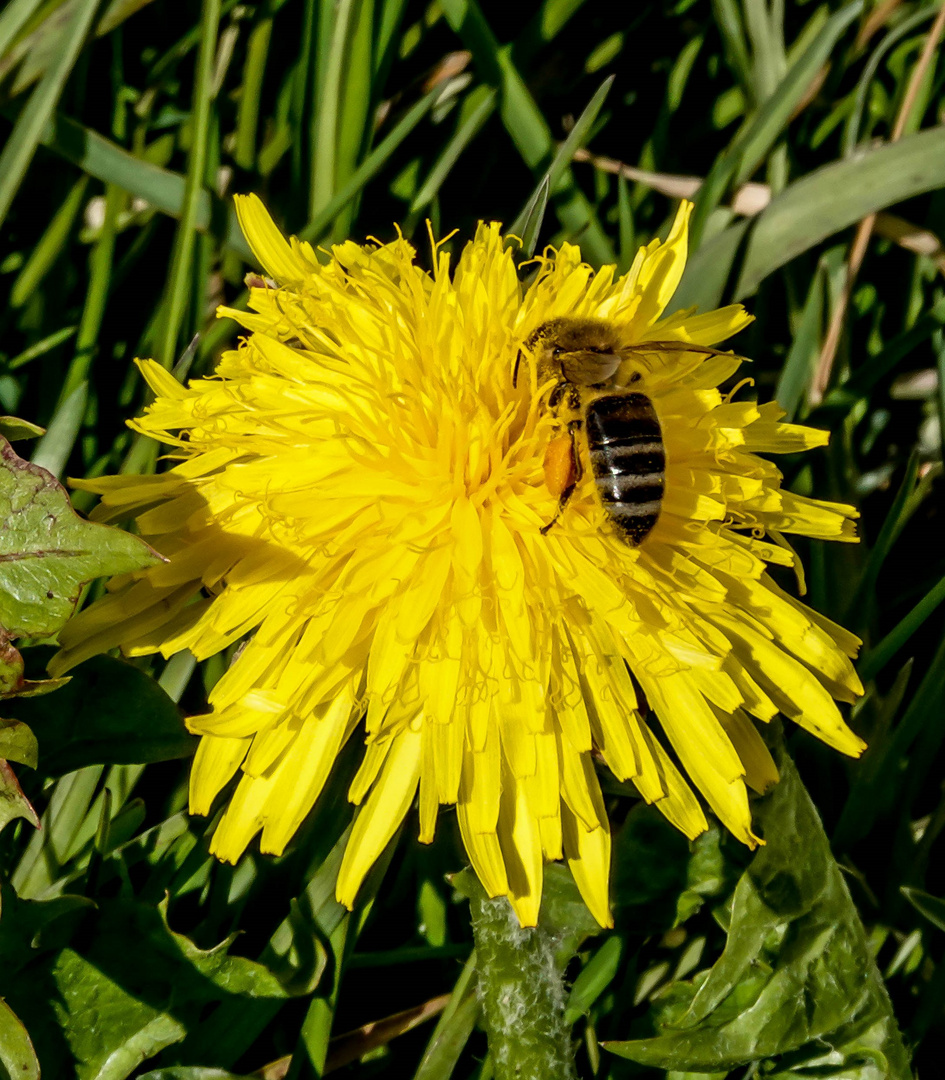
{"x":795,"y":987}
{"x":137,"y":987}
{"x":110,"y":713}
{"x":47,"y":552}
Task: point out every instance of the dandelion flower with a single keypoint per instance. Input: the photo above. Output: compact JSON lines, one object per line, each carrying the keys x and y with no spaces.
{"x":359,"y":492}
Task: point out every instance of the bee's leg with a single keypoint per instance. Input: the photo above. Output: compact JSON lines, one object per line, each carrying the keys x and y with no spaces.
{"x":563,"y":470}
{"x":554,"y":398}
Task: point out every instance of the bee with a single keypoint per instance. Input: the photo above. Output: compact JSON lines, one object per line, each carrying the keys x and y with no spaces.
{"x":619,"y":428}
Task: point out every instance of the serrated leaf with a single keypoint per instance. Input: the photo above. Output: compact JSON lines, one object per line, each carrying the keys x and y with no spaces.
{"x":47,"y":552}
{"x":110,"y":713}
{"x":796,"y":975}
{"x":231,"y":974}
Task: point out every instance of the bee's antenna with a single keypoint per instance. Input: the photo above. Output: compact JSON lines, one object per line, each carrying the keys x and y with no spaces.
{"x":518,"y":361}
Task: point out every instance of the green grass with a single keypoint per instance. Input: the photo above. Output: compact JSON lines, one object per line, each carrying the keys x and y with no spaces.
{"x":126,"y":127}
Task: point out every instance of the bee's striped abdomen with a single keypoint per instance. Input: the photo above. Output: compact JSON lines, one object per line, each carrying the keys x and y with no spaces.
{"x":628,"y":461}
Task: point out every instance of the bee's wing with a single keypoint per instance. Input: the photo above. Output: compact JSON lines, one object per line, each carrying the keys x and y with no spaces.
{"x":676,"y":346}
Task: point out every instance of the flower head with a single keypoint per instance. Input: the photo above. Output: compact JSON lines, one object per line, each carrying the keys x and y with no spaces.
{"x":360,"y":490}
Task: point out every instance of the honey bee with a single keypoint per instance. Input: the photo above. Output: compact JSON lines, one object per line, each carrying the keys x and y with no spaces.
{"x":618,"y":426}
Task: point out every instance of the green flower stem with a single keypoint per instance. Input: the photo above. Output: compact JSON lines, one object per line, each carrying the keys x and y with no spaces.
{"x":522,"y":990}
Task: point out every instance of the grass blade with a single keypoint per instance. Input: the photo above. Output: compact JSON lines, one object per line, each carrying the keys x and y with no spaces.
{"x":525,"y":123}
{"x":476,"y":110}
{"x":893,"y":525}
{"x":12,"y":20}
{"x":54,"y":448}
{"x":453,"y":1028}
{"x":759,"y":134}
{"x":326,"y":131}
{"x":562,"y":159}
{"x":532,"y":217}
{"x":178,"y":286}
{"x":354,"y":117}
{"x":161,"y":188}
{"x":805,"y":348}
{"x":877,"y":658}
{"x":45,"y":345}
{"x":28,"y":130}
{"x":50,"y":245}
{"x":371,"y":165}
{"x":254,"y":69}
{"x":101,"y":261}
{"x":811,"y":209}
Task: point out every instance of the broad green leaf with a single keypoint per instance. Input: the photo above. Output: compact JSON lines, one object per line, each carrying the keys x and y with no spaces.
{"x":705,"y":874}
{"x":17,"y":743}
{"x":309,"y":942}
{"x":135,"y":988}
{"x":31,"y":928}
{"x":17,"y":1055}
{"x":230,"y":974}
{"x":796,"y":975}
{"x":12,"y":429}
{"x":808,"y":211}
{"x":47,"y":552}
{"x":110,"y":713}
{"x":87,"y":1025}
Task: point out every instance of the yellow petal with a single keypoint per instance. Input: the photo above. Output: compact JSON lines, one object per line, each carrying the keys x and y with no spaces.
{"x":381,"y":815}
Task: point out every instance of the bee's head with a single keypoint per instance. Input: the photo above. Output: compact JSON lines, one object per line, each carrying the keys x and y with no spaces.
{"x":585,"y":352}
